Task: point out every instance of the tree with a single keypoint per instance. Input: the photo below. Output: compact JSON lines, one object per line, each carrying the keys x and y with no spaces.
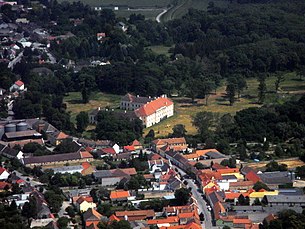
{"x":257,"y":202}
{"x":85,"y":95}
{"x":231,"y":162}
{"x":279,"y":79}
{"x":199,"y":166}
{"x":82,"y":121}
{"x":231,"y":91}
{"x":274,"y":166}
{"x":178,"y":131}
{"x":240,"y":85}
{"x":262,"y":89}
{"x":278,"y":151}
{"x":70,"y":211}
{"x":63,"y":222}
{"x":203,"y":121}
{"x":260,"y":185}
{"x":29,"y":209}
{"x":182,"y":196}
{"x":226,"y":227}
{"x":54,"y":200}
{"x":300,"y":171}
{"x":242,"y":200}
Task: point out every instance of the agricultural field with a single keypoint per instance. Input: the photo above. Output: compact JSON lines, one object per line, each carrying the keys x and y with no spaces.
{"x":184,"y":109}
{"x":291,"y":164}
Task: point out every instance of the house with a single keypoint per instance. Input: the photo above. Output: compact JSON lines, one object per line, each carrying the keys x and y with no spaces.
{"x":176,"y":144}
{"x":3,"y":174}
{"x":58,"y":137}
{"x":55,"y":159}
{"x":91,"y":216}
{"x":261,"y":193}
{"x":122,"y":26}
{"x":135,"y":215}
{"x":100,"y":144}
{"x":131,"y":102}
{"x":17,"y":86}
{"x":119,"y":195}
{"x":83,"y":203}
{"x":100,"y":36}
{"x":4,"y":186}
{"x":21,"y":135}
{"x":241,"y":185}
{"x":137,"y":145}
{"x":287,"y":201}
{"x":114,"y":176}
{"x":158,"y":167}
{"x":155,"y":111}
{"x":274,"y":179}
{"x":164,"y":222}
{"x":43,"y":210}
{"x":9,"y":152}
{"x":93,"y":115}
{"x":20,"y":199}
{"x":200,"y":154}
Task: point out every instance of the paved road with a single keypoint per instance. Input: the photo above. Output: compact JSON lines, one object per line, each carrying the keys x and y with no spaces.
{"x":201,"y":204}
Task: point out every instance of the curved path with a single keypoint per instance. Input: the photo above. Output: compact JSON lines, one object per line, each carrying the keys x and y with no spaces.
{"x":160,"y":15}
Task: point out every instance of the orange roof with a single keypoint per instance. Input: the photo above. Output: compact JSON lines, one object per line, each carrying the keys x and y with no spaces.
{"x":113,"y":217}
{"x":117,"y":194}
{"x":191,"y":225}
{"x":4,"y":184}
{"x":19,"y":83}
{"x":155,"y":156}
{"x":129,"y":148}
{"x":147,"y":213}
{"x":129,"y":171}
{"x":252,"y":176}
{"x":62,"y":135}
{"x":86,"y":154}
{"x":151,"y":107}
{"x":218,"y":166}
{"x":205,"y":151}
{"x":228,"y":170}
{"x":234,"y":195}
{"x":81,"y":199}
{"x":242,"y":221}
{"x":136,"y":143}
{"x":170,"y":219}
{"x":86,"y":165}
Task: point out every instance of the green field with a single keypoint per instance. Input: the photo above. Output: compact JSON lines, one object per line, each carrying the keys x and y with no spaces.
{"x":148,"y":13}
{"x":160,"y":49}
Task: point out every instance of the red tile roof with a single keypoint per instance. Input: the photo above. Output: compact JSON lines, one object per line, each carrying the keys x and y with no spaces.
{"x":252,"y":176}
{"x":86,"y":165}
{"x":118,"y":194}
{"x":136,"y":143}
{"x":129,"y":148}
{"x":2,"y":170}
{"x":62,"y":135}
{"x":170,"y":219}
{"x":108,"y":150}
{"x":242,"y":221}
{"x":4,"y":184}
{"x":86,"y":154}
{"x":19,"y":83}
{"x":153,"y":106}
{"x":114,"y":218}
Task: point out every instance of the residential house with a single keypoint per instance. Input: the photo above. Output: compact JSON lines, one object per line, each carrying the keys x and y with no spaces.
{"x":158,"y":167}
{"x":4,"y":186}
{"x":241,"y":185}
{"x":200,"y":154}
{"x":91,"y":216}
{"x":114,"y":176}
{"x":100,"y":36}
{"x":122,"y":26}
{"x":137,"y":145}
{"x":83,"y":203}
{"x":20,"y":199}
{"x":58,"y":137}
{"x":260,"y":195}
{"x":17,"y":86}
{"x":55,"y":159}
{"x":155,"y":111}
{"x":93,"y":115}
{"x":176,"y":144}
{"x":131,"y":102}
{"x":135,"y":215}
{"x":119,"y":195}
{"x":4,"y":174}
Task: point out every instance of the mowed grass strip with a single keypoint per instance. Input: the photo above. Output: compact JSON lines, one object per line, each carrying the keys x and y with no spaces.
{"x":97,"y":99}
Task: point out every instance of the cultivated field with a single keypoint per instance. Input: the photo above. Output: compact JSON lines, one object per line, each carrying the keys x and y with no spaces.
{"x":291,"y":164}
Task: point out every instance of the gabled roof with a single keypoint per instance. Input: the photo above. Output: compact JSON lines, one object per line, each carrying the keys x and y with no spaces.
{"x":92,"y":215}
{"x":129,"y":148}
{"x":113,"y":217}
{"x":169,"y":141}
{"x":151,"y":107}
{"x":2,"y":170}
{"x":135,"y":99}
{"x":19,"y":83}
{"x":170,"y":220}
{"x":147,"y":213}
{"x":241,"y":221}
{"x":136,"y":143}
{"x":252,"y":176}
{"x":62,"y":135}
{"x":118,"y":194}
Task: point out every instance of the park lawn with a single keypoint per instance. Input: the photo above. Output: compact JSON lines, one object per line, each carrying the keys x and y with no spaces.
{"x":184,"y":109}
{"x":98,"y":99}
{"x":160,"y":49}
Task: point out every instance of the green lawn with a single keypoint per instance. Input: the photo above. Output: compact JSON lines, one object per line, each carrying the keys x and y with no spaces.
{"x":97,"y":99}
{"x":148,"y":13}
